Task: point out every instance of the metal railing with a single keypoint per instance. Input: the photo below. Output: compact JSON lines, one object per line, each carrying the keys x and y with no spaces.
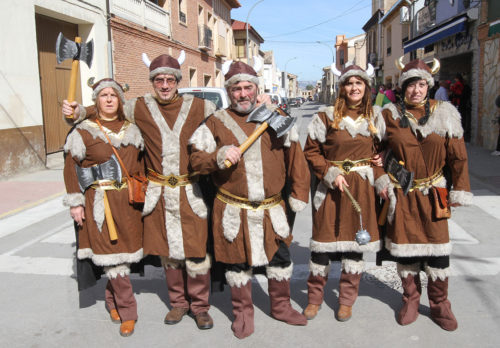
{"x":204,"y":37}
{"x":143,"y":13}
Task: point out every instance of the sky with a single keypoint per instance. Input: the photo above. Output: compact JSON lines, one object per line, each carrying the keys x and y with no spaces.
{"x":290,"y":29}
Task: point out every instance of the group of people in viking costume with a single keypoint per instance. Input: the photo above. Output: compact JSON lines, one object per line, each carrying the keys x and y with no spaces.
{"x":260,"y":177}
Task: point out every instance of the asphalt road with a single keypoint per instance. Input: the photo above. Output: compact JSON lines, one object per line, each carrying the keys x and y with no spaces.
{"x":41,"y":306}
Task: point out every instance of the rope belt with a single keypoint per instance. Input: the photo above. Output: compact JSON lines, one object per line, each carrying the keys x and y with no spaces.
{"x":347,"y":165}
{"x":420,"y":183}
{"x":107,"y":185}
{"x":244,"y":203}
{"x":172,"y":180}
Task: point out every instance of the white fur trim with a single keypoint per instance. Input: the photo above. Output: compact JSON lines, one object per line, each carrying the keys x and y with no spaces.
{"x":75,"y":144}
{"x":330,"y":176}
{"x":317,"y":129}
{"x":353,"y":266}
{"x":409,"y":250}
{"x":110,"y":259}
{"x":444,"y":121}
{"x":238,"y":279}
{"x":406,"y":270}
{"x":292,"y":136}
{"x":195,"y":199}
{"x":221,"y":156}
{"x":279,"y":273}
{"x":279,"y":221}
{"x":153,"y":193}
{"x":112,"y":272}
{"x":461,"y":197}
{"x":74,"y":200}
{"x":320,"y":195}
{"x":379,"y":122}
{"x":424,"y":75}
{"x":193,"y":269}
{"x":209,"y":108}
{"x":319,"y":270}
{"x":105,"y":84}
{"x":167,"y":262}
{"x":355,"y":127}
{"x":328,"y":110}
{"x":343,"y":246}
{"x":203,"y":139}
{"x":392,"y":203}
{"x":231,"y":221}
{"x":164,"y":70}
{"x":437,"y":273}
{"x":381,"y":183}
{"x":241,"y":77}
{"x":129,"y":134}
{"x":296,"y":204}
{"x":255,"y":220}
{"x":99,"y":208}
{"x":356,"y":72}
{"x":129,"y":108}
{"x":170,"y":165}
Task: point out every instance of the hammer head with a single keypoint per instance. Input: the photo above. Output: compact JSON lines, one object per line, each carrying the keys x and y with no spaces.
{"x":280,"y":124}
{"x":67,"y":49}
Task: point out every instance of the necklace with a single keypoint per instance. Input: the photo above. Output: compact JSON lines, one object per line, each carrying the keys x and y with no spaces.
{"x":108,"y":119}
{"x":353,"y":107}
{"x":409,"y":103}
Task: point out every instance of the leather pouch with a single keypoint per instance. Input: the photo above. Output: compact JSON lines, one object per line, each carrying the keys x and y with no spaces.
{"x":440,"y":203}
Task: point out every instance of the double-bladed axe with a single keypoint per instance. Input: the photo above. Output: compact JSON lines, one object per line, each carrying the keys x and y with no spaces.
{"x":267,"y":118}
{"x":67,"y":49}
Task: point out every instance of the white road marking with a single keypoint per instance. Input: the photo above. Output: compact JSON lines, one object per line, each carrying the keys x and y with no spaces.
{"x":36,"y":265}
{"x":31,"y":216}
{"x":66,"y":236}
{"x":458,"y":235}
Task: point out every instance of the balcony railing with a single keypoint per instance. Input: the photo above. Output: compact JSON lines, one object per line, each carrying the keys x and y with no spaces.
{"x":144,"y":13}
{"x":204,"y":37}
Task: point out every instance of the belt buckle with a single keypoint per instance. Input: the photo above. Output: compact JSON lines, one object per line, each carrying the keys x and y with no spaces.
{"x":172,"y":180}
{"x":347,"y":165}
{"x":254,"y":204}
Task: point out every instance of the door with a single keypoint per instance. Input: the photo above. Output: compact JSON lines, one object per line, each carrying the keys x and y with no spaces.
{"x":54,"y":79}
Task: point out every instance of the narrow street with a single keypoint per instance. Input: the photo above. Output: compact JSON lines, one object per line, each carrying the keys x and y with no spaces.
{"x":41,"y":306}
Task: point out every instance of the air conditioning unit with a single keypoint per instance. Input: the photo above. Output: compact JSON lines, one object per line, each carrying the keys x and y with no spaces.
{"x":404,"y":15}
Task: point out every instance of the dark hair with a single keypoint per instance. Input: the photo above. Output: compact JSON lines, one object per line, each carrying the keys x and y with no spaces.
{"x":404,"y":122}
{"x":497,"y":101}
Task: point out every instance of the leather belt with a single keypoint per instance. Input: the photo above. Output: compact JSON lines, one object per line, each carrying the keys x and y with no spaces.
{"x":244,"y":203}
{"x":172,"y":180}
{"x":347,"y":165}
{"x":420,"y":183}
{"x":109,"y":184}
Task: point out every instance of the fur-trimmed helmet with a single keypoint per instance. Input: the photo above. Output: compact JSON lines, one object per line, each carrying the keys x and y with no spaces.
{"x":417,"y":68}
{"x":354,"y":70}
{"x":105,"y":83}
{"x":235,"y":72}
{"x":164,"y":64}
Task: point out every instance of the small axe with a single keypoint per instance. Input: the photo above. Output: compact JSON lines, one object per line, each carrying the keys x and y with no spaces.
{"x":268,"y":118}
{"x":67,"y":49}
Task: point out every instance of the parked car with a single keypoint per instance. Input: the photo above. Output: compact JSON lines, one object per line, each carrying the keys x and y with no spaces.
{"x":215,"y":94}
{"x":275,"y":99}
{"x":310,"y":98}
{"x":285,"y":106}
{"x":294,"y":102}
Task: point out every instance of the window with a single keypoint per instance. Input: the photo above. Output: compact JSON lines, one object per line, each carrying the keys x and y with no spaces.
{"x":192,"y":78}
{"x":405,"y":29}
{"x":429,"y":48}
{"x":389,"y":40}
{"x":493,"y":10}
{"x":182,"y":11}
{"x":207,"y":80}
{"x":341,"y":58}
{"x":240,"y":48}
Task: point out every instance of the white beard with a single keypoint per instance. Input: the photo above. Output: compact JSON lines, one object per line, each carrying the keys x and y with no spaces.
{"x":241,"y":110}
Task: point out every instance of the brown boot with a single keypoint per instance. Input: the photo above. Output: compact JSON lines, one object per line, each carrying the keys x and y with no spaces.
{"x":348,"y":293}
{"x":127,"y":328}
{"x":123,"y":294}
{"x":281,"y":308}
{"x":241,"y":298}
{"x":315,"y":292}
{"x":412,"y":290}
{"x":115,"y":317}
{"x":176,"y":283}
{"x":441,"y":313}
{"x":198,"y":290}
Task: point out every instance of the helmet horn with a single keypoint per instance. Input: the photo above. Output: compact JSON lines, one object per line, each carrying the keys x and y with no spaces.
{"x":435,"y":66}
{"x":399,"y":63}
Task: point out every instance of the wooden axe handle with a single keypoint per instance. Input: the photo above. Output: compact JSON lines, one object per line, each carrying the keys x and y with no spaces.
{"x":73,"y":76}
{"x":383,"y":214}
{"x":250,"y":140}
{"x":109,"y":219}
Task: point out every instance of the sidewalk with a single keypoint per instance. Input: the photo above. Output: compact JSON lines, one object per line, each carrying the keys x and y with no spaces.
{"x":28,"y":190}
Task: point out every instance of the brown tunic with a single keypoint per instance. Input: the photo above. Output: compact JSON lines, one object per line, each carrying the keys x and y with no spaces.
{"x":85,"y":147}
{"x":175,"y":223}
{"x":335,"y":222}
{"x":413,"y":231}
{"x":245,"y":235}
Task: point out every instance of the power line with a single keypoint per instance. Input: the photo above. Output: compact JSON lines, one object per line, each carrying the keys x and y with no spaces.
{"x":326,"y":21}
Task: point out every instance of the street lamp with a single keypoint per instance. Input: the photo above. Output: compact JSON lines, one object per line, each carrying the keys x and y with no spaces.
{"x":285,"y":82}
{"x":331,"y":49}
{"x":246,"y":24}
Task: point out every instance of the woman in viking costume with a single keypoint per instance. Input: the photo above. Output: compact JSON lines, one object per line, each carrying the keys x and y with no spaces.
{"x":110,"y":229}
{"x":424,"y":138}
{"x":340,"y":148}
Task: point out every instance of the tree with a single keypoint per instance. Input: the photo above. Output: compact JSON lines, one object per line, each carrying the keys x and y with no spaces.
{"x":309,"y":87}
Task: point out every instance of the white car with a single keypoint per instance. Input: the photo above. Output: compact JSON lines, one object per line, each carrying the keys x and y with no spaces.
{"x":216,"y":95}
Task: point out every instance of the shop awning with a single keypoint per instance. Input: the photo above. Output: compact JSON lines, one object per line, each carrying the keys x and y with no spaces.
{"x":494,"y":28}
{"x":447,"y":29}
